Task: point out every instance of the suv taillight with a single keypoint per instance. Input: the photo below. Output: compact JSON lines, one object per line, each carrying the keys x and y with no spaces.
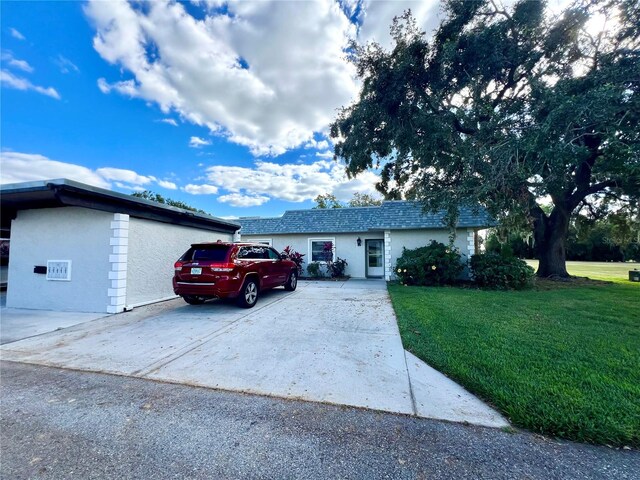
{"x":178,"y":266}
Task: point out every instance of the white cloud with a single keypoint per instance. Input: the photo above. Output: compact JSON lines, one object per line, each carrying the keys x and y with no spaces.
{"x":239,"y":200}
{"x":123,"y":175}
{"x":125,"y":87}
{"x":167,"y":184}
{"x":10,"y":80}
{"x":21,"y":64}
{"x":16,"y":34}
{"x":197,"y":142}
{"x":321,"y":145}
{"x":133,"y":188}
{"x":291,"y":182}
{"x":16,"y":63}
{"x":200,"y":189}
{"x":103,"y":85}
{"x":219,"y":71}
{"x":169,"y":121}
{"x":65,"y":65}
{"x":28,"y":167}
{"x":327,"y":154}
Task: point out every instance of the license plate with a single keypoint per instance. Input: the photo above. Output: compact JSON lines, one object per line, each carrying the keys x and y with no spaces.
{"x":196,"y":271}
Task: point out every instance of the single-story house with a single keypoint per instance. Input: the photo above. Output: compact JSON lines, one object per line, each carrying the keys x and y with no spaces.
{"x":370,"y":239}
{"x":75,"y":247}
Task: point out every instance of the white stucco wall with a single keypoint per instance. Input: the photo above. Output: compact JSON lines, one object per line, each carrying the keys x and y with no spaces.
{"x":153,"y":248}
{"x":346,"y":246}
{"x":411,"y":239}
{"x":395,"y":240}
{"x":67,"y":233}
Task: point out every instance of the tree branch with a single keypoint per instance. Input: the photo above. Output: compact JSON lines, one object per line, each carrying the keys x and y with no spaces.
{"x":581,"y":194}
{"x":461,"y":128}
{"x":596,"y":187}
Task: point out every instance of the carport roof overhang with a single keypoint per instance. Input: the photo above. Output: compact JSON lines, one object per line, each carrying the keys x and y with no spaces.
{"x":67,"y":193}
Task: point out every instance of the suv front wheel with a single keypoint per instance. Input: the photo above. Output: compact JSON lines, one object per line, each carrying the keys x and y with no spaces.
{"x":292,"y":282}
{"x":249,"y":294}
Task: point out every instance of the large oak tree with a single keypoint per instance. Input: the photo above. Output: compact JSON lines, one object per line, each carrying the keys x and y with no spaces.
{"x":528,"y":114}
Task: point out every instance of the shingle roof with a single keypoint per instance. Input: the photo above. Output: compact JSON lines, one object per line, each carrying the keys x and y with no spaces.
{"x":391,"y":215}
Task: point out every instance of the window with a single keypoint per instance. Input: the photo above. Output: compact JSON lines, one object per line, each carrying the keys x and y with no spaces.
{"x":209,"y":253}
{"x":264,"y":241}
{"x":317,"y":247}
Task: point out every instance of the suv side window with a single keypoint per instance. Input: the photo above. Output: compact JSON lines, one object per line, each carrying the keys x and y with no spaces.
{"x":246,"y":253}
{"x":273,"y":255}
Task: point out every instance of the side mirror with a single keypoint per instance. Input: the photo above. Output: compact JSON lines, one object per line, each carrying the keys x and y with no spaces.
{"x":283,"y":256}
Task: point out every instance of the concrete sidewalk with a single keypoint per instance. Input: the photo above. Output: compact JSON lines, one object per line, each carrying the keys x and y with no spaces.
{"x":332,"y":342}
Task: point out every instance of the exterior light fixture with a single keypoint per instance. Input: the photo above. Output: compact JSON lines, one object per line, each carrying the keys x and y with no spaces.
{"x":359,"y":241}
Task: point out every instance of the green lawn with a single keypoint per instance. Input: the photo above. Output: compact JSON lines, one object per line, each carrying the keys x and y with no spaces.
{"x":611,"y":271}
{"x":561,"y":361}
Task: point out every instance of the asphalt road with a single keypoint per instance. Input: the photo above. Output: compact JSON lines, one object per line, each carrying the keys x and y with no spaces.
{"x":67,"y":424}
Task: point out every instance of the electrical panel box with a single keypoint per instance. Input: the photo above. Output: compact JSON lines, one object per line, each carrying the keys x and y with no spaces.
{"x":59,"y":270}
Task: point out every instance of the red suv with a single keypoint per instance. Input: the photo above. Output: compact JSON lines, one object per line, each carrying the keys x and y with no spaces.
{"x":231,"y":270}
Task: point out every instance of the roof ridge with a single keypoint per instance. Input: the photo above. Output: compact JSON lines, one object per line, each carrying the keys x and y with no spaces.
{"x":313,"y":209}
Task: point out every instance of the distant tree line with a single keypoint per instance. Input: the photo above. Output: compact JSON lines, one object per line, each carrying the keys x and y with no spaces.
{"x":328,"y":200}
{"x":612,"y":238}
{"x":156,"y":197}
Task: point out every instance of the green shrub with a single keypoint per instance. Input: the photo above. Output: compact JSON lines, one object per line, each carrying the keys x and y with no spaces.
{"x":503,"y":272}
{"x":314,"y":270}
{"x":435,"y":264}
{"x":337,"y":268}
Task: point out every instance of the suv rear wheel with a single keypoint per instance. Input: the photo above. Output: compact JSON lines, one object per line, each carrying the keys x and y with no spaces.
{"x":249,"y":293}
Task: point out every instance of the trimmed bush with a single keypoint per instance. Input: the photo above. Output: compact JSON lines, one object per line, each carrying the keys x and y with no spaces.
{"x":314,"y":270}
{"x":502,"y":272}
{"x":435,"y":264}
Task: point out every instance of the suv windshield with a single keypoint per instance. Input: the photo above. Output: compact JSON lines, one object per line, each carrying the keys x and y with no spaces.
{"x":208,"y":253}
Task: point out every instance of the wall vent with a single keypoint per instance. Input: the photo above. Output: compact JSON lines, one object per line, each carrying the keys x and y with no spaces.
{"x":59,"y":270}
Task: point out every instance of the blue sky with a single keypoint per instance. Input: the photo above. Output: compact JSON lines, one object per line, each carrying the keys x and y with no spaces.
{"x":222,"y":105}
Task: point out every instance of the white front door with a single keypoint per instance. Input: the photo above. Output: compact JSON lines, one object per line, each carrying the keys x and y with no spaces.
{"x":374,"y":250}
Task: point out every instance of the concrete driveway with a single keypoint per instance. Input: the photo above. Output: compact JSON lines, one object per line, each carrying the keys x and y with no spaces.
{"x":333,"y":342}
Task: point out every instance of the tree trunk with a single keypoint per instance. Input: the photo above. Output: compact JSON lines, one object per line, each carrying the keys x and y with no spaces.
{"x":550,"y":235}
